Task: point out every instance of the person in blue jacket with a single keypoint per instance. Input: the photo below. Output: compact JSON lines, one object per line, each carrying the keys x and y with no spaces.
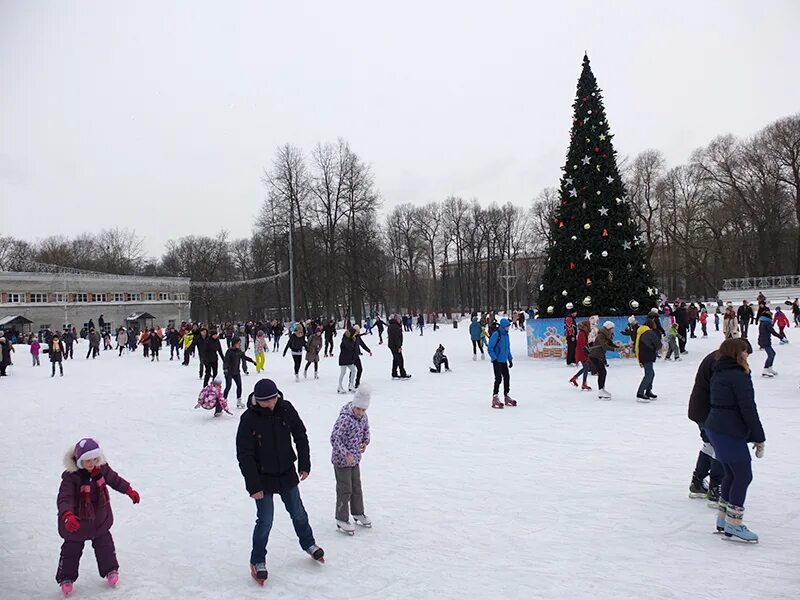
{"x":502,"y":360}
{"x":733,"y":423}
{"x":475,"y":335}
{"x":765,"y":333}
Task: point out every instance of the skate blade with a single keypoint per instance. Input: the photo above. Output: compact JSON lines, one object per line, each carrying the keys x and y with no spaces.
{"x":344,"y":531}
{"x":733,"y":538}
{"x":367,"y":526}
{"x":696,"y":495}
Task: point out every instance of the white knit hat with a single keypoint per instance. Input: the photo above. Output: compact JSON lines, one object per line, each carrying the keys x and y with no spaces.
{"x":362,"y":396}
{"x":608,"y":325}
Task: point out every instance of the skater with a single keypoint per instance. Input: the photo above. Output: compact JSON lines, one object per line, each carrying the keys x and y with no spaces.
{"x":682,"y":319}
{"x":313,"y":347}
{"x":420,"y":323}
{"x":703,"y":318}
{"x":632,"y":331}
{"x":648,"y":347}
{"x":212,"y":396}
{"x":277,"y":332}
{"x":173,"y":339}
{"x":347,"y":359}
{"x":330,"y":333}
{"x":782,"y":322}
{"x":188,"y":344}
{"x":232,"y":361}
{"x":155,"y":345}
{"x":6,"y":348}
{"x":297,"y":343}
{"x":210,"y":352}
{"x":717,"y":313}
{"x":260,"y":348}
{"x":359,"y":345}
{"x":582,"y":355}
{"x":266,"y":459}
{"x":68,"y":340}
{"x":732,"y":423}
{"x":440,"y":359}
{"x":122,"y":340}
{"x":603,"y":342}
{"x":476,"y":337}
{"x":571,"y":334}
{"x":380,"y":325}
{"x":745,"y":315}
{"x":349,"y":441}
{"x":796,"y":312}
{"x":672,"y":343}
{"x":502,"y":360}
{"x":56,"y":355}
{"x":765,"y":334}
{"x":144,"y":342}
{"x":692,"y":313}
{"x":730,"y":326}
{"x":84,"y":512}
{"x":395,"y":341}
{"x":94,"y":344}
{"x":35,"y":349}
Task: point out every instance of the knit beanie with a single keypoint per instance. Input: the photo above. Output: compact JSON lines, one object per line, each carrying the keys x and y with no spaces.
{"x":608,"y":325}
{"x":87,"y":449}
{"x":265,"y":389}
{"x":362,"y":396}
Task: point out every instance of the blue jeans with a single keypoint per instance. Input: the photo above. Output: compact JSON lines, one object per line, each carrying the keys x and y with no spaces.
{"x":264,"y":513}
{"x":770,"y":357}
{"x":646,"y":386}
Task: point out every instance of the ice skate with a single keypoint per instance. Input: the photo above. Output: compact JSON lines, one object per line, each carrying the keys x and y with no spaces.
{"x":345,"y":527}
{"x":496,"y":402}
{"x":483,"y":357}
{"x":112,"y":579}
{"x":316,"y":375}
{"x":296,"y":378}
{"x":603,"y":394}
{"x":259,"y":572}
{"x":340,"y":390}
{"x":239,"y":404}
{"x":586,"y":388}
{"x":721,"y":513}
{"x":697,"y":488}
{"x":642,"y":398}
{"x":574,"y":381}
{"x":650,"y":395}
{"x":735,"y":530}
{"x":219,"y":414}
{"x":712,"y":497}
{"x":509,"y":401}
{"x":474,"y":358}
{"x":363,"y":520}
{"x":351,"y":390}
{"x":772,"y":371}
{"x":767,"y":373}
{"x":66,"y":588}
{"x":305,"y":374}
{"x":317,"y":553}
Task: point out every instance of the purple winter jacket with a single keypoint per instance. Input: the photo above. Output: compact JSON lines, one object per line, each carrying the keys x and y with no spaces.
{"x":348,"y":435}
{"x":69,"y":497}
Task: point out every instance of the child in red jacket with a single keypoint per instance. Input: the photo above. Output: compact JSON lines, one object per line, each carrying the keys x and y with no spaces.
{"x":84,"y":512}
{"x":581,"y":355}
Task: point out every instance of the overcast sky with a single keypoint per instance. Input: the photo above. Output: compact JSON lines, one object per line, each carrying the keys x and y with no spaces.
{"x":160,"y":116}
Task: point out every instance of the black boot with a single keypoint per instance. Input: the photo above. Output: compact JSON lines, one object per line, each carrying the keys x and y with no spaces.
{"x":697,"y":489}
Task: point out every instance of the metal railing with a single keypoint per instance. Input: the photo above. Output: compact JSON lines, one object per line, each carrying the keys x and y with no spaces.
{"x":758,"y":283}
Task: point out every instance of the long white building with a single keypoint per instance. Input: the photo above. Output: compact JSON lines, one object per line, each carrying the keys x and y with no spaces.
{"x":58,"y":300}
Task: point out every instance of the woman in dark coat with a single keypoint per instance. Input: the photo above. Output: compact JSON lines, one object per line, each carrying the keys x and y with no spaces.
{"x":347,"y":360}
{"x":733,"y":423}
{"x":597,"y":355}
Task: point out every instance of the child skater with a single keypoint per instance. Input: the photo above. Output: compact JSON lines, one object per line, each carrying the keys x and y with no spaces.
{"x":672,"y":342}
{"x":211,"y":396}
{"x":313,"y":347}
{"x":439,"y":359}
{"x":35,"y":349}
{"x":56,"y":355}
{"x":260,"y":348}
{"x":84,"y":512}
{"x":349,"y":440}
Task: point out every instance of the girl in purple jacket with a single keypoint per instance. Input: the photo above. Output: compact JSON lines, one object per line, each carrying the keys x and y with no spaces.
{"x":84,"y":512}
{"x":349,"y":440}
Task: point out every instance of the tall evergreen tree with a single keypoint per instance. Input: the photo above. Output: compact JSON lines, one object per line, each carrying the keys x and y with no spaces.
{"x":596,"y":261}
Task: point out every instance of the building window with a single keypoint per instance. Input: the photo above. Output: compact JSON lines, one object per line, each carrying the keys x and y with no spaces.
{"x":118,"y":297}
{"x":60,"y":297}
{"x":80,"y":297}
{"x":150,"y":296}
{"x":98,"y":297}
{"x":14,"y":298}
{"x":180,"y":296}
{"x":46,"y":326}
{"x":163,"y":296}
{"x":137,"y":297}
{"x":38,"y":298}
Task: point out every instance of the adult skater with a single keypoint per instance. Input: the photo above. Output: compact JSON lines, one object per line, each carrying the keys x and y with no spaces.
{"x":476,"y":337}
{"x":347,"y":360}
{"x":603,"y":342}
{"x":94,"y":344}
{"x":395,"y":342}
{"x":232,"y":362}
{"x":212,"y":352}
{"x":173,"y":339}
{"x":359,"y":346}
{"x":313,"y":346}
{"x":199,"y":341}
{"x":330,"y":333}
{"x":122,"y":340}
{"x":380,"y":325}
{"x":732,"y":423}
{"x":648,"y":347}
{"x":745,"y":315}
{"x":682,"y":319}
{"x":439,"y":359}
{"x":297,"y":344}
{"x":730,"y":325}
{"x":155,"y":345}
{"x":277,"y":332}
{"x":582,"y":355}
{"x":266,"y":459}
{"x":571,"y":334}
{"x":421,"y":323}
{"x":6,"y":348}
{"x":187,"y":339}
{"x":765,"y":334}
{"x":68,"y":341}
{"x":500,"y":354}
{"x":56,"y":355}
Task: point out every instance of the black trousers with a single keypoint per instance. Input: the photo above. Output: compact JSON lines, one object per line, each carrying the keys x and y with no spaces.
{"x":53,"y":368}
{"x":682,"y":337}
{"x":229,"y":379}
{"x":359,"y":370}
{"x":211,"y":371}
{"x":572,"y":343}
{"x":68,"y":351}
{"x":600,"y":369}
{"x":692,"y":326}
{"x":397,"y":364}
{"x":708,"y":466}
{"x":380,"y":335}
{"x":328,"y":344}
{"x":744,"y":325}
{"x":501,"y":374}
{"x":477,"y":345}
{"x":297,"y":358}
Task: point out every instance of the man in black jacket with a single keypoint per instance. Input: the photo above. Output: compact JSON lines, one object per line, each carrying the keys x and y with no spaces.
{"x":395,"y":337}
{"x":330,"y":333}
{"x":266,"y":459}
{"x":682,"y":319}
{"x":199,"y":340}
{"x":744,"y":314}
{"x":209,"y":353}
{"x":234,"y":359}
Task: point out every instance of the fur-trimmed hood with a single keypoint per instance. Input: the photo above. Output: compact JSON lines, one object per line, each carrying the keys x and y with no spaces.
{"x":71,"y":465}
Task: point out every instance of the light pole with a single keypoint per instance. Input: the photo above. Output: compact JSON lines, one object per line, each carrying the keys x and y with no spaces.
{"x":291,"y":262}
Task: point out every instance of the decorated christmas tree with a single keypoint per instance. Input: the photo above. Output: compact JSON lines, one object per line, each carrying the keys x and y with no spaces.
{"x":597,"y":261}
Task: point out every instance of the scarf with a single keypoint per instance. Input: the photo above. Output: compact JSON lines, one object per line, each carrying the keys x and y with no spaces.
{"x":85,"y":506}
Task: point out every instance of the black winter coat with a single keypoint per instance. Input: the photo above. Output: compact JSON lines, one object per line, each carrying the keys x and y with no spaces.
{"x":700,"y":398}
{"x":233,"y":360}
{"x":211,"y":349}
{"x":682,"y":317}
{"x":199,"y":342}
{"x":765,"y":332}
{"x":347,"y":351}
{"x":745,"y":314}
{"x":295,"y":344}
{"x":172,"y":337}
{"x":395,"y":336}
{"x":733,"y":404}
{"x":649,"y":345}
{"x":360,"y":344}
{"x":155,"y":341}
{"x":264,"y":447}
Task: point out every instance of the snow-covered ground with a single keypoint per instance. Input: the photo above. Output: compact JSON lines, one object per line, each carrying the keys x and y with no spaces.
{"x":564,"y":496}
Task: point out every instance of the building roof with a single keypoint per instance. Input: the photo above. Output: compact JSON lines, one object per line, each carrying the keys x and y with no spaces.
{"x":15,"y":320}
{"x":139,"y":316}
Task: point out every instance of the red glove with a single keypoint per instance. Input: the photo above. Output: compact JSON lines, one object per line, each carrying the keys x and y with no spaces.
{"x":71,"y":522}
{"x":134,"y":495}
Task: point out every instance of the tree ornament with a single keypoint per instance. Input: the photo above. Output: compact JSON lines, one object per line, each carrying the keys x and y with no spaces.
{"x":626,"y":245}
{"x":605,"y":232}
{"x":604,"y":254}
{"x":573,"y":238}
{"x":550,"y":309}
{"x":649,"y":291}
{"x":619,"y":200}
{"x":603,"y":211}
{"x":587,"y":256}
{"x":610,"y":179}
{"x":633,"y":304}
{"x":587,"y":301}
{"x":619,"y":224}
{"x":568,"y":180}
{"x":587,"y":226}
{"x":602,"y":137}
{"x":570,"y":306}
{"x":573,"y":193}
{"x":586,"y":160}
{"x":597,"y":168}
{"x":596,"y":149}
{"x":611,"y":276}
{"x":561,"y":224}
{"x":597,"y":193}
{"x":564,"y":293}
{"x":541,"y":287}
{"x":571,"y":265}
